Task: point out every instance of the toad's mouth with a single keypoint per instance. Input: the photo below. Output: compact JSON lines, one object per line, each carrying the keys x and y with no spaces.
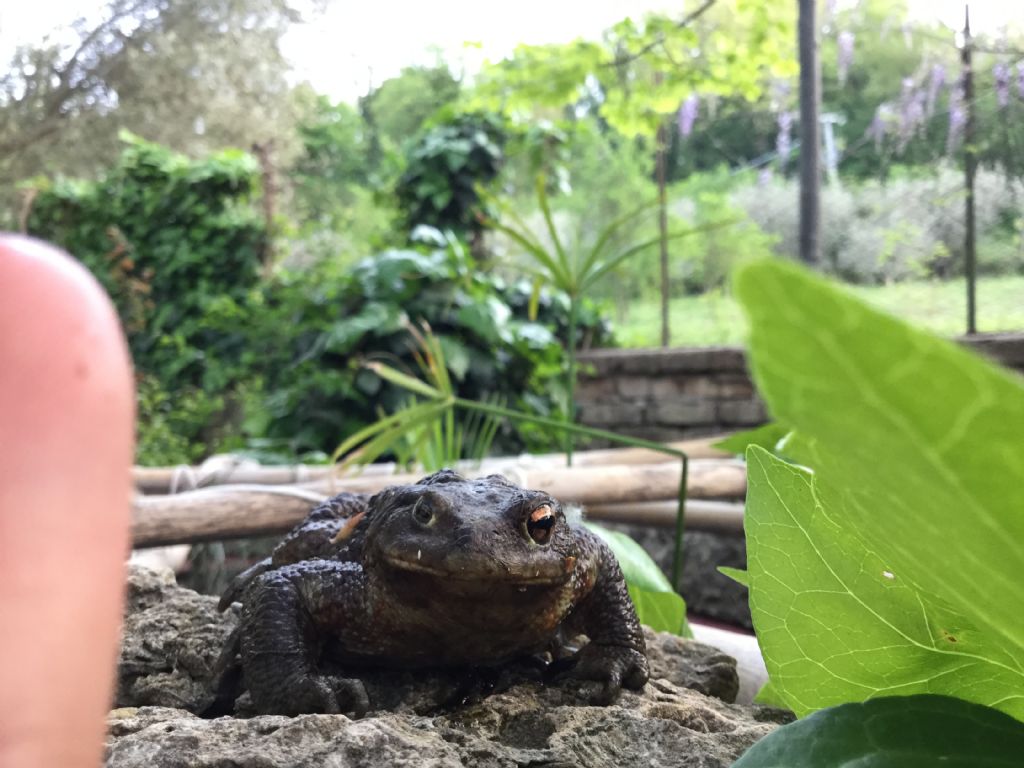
{"x":492,"y":577}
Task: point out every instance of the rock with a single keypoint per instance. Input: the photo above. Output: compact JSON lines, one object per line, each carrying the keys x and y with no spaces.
{"x":691,"y":664}
{"x":171,"y":639}
{"x":173,"y":636}
{"x":667,"y":726}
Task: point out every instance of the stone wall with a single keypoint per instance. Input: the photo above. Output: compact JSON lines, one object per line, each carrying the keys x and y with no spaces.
{"x":671,"y":394}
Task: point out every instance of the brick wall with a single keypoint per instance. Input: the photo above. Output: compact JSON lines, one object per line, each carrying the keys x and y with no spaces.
{"x":670,"y":394}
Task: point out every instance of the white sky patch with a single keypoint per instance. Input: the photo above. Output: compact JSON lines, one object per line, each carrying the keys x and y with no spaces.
{"x":355,"y":45}
{"x":988,"y":16}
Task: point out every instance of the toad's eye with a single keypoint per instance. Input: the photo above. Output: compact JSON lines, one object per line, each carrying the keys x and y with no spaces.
{"x":540,"y":524}
{"x":422,"y":512}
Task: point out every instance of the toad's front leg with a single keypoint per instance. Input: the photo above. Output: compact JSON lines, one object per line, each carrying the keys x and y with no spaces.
{"x":616,"y":656}
{"x":282,"y":632}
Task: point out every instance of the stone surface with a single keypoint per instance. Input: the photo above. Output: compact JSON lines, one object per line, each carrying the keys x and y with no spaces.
{"x":660,"y":384}
{"x":742,"y":413}
{"x":683,"y":411}
{"x":170,"y":641}
{"x":668,"y":394}
{"x":668,"y":726}
{"x":172,"y":636}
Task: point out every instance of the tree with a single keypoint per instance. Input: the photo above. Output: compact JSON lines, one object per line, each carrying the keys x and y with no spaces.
{"x":874,"y":86}
{"x":333,"y":161}
{"x":401,"y":105}
{"x":194,"y":75}
{"x":641,"y":72}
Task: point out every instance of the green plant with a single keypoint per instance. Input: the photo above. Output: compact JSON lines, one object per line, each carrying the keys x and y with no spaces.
{"x":444,"y":168}
{"x":884,"y":550}
{"x":657,"y":604}
{"x":310,"y":330}
{"x":894,"y":732}
{"x":574,"y":269}
{"x":428,"y":437}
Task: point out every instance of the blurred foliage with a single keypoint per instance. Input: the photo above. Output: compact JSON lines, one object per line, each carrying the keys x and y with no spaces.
{"x":399,"y":108}
{"x":178,"y":247}
{"x":314,"y":330}
{"x":241,"y":346}
{"x":228,"y":352}
{"x":908,"y":227}
{"x":444,"y":166}
{"x":333,"y":163}
{"x":339,"y":206}
{"x":195,"y":75}
{"x":632,"y":77}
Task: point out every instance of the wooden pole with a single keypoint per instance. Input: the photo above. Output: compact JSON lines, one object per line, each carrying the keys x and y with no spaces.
{"x":227,"y":512}
{"x":660,"y":161}
{"x":184,"y":478}
{"x":701,"y":515}
{"x":211,"y":514}
{"x":810,"y":142}
{"x":970,"y":171}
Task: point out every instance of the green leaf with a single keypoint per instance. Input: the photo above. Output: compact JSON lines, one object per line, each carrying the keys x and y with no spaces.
{"x":534,"y":304}
{"x":404,"y":380}
{"x":637,"y":566}
{"x":600,"y":269}
{"x":895,"y":566}
{"x":737,"y":575}
{"x":563,"y":258}
{"x":657,"y":604}
{"x":488,"y":319}
{"x":346,"y":333}
{"x":456,"y":356}
{"x":391,"y":427}
{"x":770,"y":697}
{"x":661,"y":611}
{"x":766,"y":436}
{"x":894,"y":732}
{"x":554,"y":270}
{"x":609,"y":233}
{"x":836,"y":622}
{"x":413,"y":418}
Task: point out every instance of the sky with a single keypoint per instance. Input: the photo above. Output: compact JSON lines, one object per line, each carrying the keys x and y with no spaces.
{"x":356,"y":44}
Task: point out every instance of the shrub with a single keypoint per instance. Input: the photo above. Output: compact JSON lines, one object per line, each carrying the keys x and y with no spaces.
{"x":313,"y":330}
{"x":444,"y":165}
{"x":703,"y":261}
{"x":910,"y":226}
{"x":175,"y":242}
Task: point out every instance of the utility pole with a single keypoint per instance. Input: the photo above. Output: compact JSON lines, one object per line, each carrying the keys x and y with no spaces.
{"x":970,"y":170}
{"x":810,"y":141}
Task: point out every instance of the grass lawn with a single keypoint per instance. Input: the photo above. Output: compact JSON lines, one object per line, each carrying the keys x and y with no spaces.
{"x":713,"y":319}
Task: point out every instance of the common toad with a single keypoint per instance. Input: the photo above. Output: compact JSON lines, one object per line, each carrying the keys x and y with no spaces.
{"x":448,"y":572}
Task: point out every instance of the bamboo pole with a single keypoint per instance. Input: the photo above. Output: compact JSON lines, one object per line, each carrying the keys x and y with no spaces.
{"x":225,"y":512}
{"x":228,"y":472}
{"x":701,"y":515}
